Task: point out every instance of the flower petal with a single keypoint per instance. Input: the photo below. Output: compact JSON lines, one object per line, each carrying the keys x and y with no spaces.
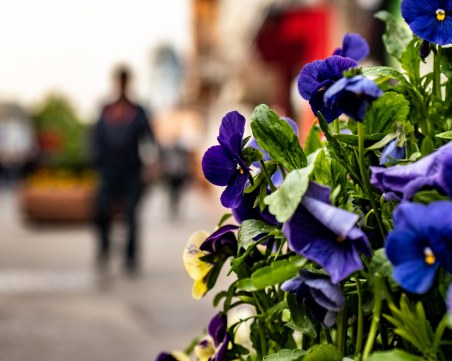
{"x":416,"y":276}
{"x":307,"y":79}
{"x":354,"y":46}
{"x":232,"y":123}
{"x":232,"y":195}
{"x":218,"y":166}
{"x":196,"y":268}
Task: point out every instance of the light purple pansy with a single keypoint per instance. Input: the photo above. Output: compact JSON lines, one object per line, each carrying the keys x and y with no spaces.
{"x":401,"y":182}
{"x":326,"y":234}
{"x":322,"y":298}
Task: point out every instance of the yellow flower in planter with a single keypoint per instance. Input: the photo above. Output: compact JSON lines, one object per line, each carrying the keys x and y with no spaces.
{"x":195,"y":267}
{"x":205,"y":254}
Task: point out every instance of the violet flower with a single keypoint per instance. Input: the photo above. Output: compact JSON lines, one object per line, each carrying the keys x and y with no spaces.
{"x":431,"y":20}
{"x":354,"y":46}
{"x":391,"y":153}
{"x":223,"y":164}
{"x":315,"y":78}
{"x":214,"y":346}
{"x":351,"y":96}
{"x":326,"y":234}
{"x":420,"y":243}
{"x":247,"y":210}
{"x":322,"y":298}
{"x":401,"y":182}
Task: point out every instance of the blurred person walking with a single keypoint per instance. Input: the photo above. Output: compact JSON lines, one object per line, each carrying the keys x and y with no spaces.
{"x":117,"y":136}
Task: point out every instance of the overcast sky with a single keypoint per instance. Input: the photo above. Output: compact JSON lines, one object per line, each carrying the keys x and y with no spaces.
{"x":72,"y":45}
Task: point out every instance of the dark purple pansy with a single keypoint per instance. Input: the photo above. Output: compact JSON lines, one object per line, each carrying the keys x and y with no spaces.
{"x":223,"y":164}
{"x":322,"y":298}
{"x":420,"y":243}
{"x":217,"y":341}
{"x":165,"y":356}
{"x":354,"y":46}
{"x":222,"y":241}
{"x":247,"y":210}
{"x":326,"y":234}
{"x":401,"y":182}
{"x":315,"y":79}
{"x":392,"y":153}
{"x":351,"y":96}
{"x":429,"y":19}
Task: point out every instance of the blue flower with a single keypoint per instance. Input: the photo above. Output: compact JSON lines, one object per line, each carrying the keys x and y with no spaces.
{"x":354,"y":46}
{"x":352,"y":95}
{"x":214,"y":346}
{"x":420,"y":243}
{"x":391,"y":153}
{"x":223,"y":164}
{"x":322,"y":298}
{"x":401,"y":182}
{"x":430,"y":20}
{"x":326,"y":234}
{"x":316,"y":77}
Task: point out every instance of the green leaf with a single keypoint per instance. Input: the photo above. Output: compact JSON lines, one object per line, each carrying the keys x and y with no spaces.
{"x":383,"y":71}
{"x":283,"y":202}
{"x":251,"y":228}
{"x":277,"y":272}
{"x":381,"y":265}
{"x":445,"y":135}
{"x":429,"y":196}
{"x":386,"y":110}
{"x":313,"y":141}
{"x":251,"y":155}
{"x":381,"y":143}
{"x":286,"y":355}
{"x":352,"y":139}
{"x":323,"y":353}
{"x":411,"y":60}
{"x":395,"y":355}
{"x":300,"y":321}
{"x":277,"y":137}
{"x":397,"y":35}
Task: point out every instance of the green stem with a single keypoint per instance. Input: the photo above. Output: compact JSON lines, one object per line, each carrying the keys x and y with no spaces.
{"x":359,"y":337}
{"x":267,"y":176}
{"x":439,"y":334}
{"x":376,"y":318}
{"x":337,"y":128}
{"x":327,"y":335}
{"x":341,"y":332}
{"x":282,"y":170}
{"x":437,"y":74}
{"x":365,"y":178}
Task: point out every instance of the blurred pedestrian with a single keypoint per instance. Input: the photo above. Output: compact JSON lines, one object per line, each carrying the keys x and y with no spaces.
{"x":121,"y":127}
{"x":175,"y":164}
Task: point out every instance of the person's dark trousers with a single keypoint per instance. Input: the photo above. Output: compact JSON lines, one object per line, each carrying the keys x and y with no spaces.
{"x":119,"y":190}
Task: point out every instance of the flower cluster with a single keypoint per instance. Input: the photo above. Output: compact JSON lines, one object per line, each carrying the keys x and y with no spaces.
{"x":342,"y":246}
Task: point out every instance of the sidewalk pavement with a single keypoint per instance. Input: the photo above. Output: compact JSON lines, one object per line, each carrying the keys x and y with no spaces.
{"x":55,"y":307}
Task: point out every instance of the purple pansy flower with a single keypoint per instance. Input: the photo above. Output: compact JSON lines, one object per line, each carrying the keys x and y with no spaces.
{"x":215,"y":345}
{"x":391,"y":153}
{"x":326,"y":234}
{"x":354,"y":46}
{"x":223,"y":164}
{"x":420,"y":243}
{"x":429,"y":19}
{"x":316,"y":77}
{"x":165,"y":356}
{"x":351,"y":96}
{"x":322,"y":298}
{"x":247,"y":210}
{"x":222,"y":241}
{"x":401,"y":182}
{"x":276,"y":177}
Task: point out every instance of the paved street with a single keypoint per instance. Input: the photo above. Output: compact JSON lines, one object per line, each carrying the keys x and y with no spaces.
{"x":53,"y":305}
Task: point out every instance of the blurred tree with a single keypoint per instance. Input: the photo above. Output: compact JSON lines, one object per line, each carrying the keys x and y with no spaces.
{"x":62,"y":137}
